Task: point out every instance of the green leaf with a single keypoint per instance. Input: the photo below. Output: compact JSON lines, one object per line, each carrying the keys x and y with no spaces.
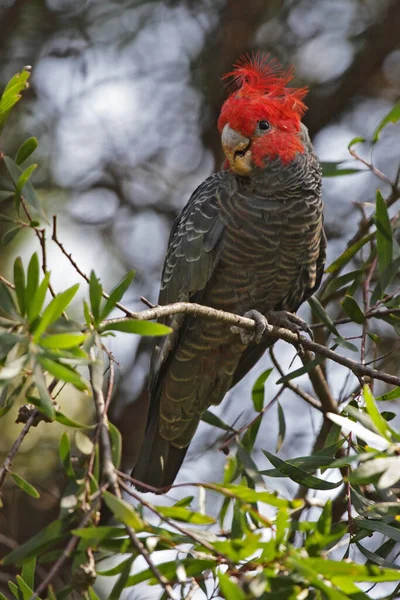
{"x":19,"y":282}
{"x":258,"y":391}
{"x":65,"y":455}
{"x":30,"y":194}
{"x":27,"y":592}
{"x":385,"y":280}
{"x":62,"y":340}
{"x":32,"y":281}
{"x":372,"y":556}
{"x":121,"y":583}
{"x":374,"y":413}
{"x":345,"y":344}
{"x":343,"y":280}
{"x":179,"y":513}
{"x":63,"y":372}
{"x":64,"y":420}
{"x":380,"y":527}
{"x":54,"y":310}
{"x":384,"y":234}
{"x":15,"y":590}
{"x":12,"y":368}
{"x":95,"y":293}
{"x":229,"y":589}
{"x":83,"y":443}
{"x":302,"y":370}
{"x":92,"y":594}
{"x":26,"y":149}
{"x":100,"y":533}
{"x":24,"y":485}
{"x":212,"y":419}
{"x":324,"y":522}
{"x":116,"y":294}
{"x":333,"y":169}
{"x":139,"y":327}
{"x":371,"y":438}
{"x":322,"y":315}
{"x":28,"y":572}
{"x":116,"y":445}
{"x":392,"y":117}
{"x":48,"y":537}
{"x":23,"y":180}
{"x":349,"y":253}
{"x":7,"y":304}
{"x":299,"y":475}
{"x":46,"y":405}
{"x":392,"y":395}
{"x":353,"y":309}
{"x":334,"y":569}
{"x":308,"y":463}
{"x":123,"y":512}
{"x":193,"y":567}
{"x":12,"y":94}
{"x":36,"y":304}
{"x":245,"y":494}
{"x":356,"y":140}
{"x":10,"y":235}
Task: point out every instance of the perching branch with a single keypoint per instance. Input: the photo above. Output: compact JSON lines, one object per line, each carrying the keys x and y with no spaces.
{"x":298,"y":341}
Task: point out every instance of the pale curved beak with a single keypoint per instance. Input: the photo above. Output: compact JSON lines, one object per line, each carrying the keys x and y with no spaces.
{"x":236,"y":148}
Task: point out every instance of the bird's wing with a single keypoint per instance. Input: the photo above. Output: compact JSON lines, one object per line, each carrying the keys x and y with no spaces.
{"x":193,"y":250}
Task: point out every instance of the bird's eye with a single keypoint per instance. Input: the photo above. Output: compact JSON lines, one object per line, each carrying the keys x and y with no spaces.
{"x":263,"y":125}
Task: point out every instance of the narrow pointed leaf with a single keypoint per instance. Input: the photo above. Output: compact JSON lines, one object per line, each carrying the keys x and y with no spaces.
{"x":353,"y":309}
{"x":62,"y":372}
{"x":32,"y":282}
{"x":24,"y":485}
{"x":54,"y":310}
{"x":384,"y":234}
{"x":26,"y":149}
{"x":392,"y":117}
{"x":95,"y":293}
{"x":46,"y":403}
{"x":322,"y":315}
{"x":62,"y":340}
{"x":299,"y":475}
{"x":36,"y":304}
{"x":116,"y":294}
{"x":258,"y":391}
{"x":19,"y":282}
{"x":139,"y":327}
{"x":123,"y":512}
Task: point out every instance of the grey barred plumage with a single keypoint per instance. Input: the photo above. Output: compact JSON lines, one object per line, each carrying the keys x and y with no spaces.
{"x":241,"y":243}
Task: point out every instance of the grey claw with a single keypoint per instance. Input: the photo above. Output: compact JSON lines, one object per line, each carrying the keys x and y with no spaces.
{"x":257,"y":334}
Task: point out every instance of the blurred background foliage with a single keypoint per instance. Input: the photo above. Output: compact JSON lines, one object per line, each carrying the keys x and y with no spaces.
{"x":124,"y":98}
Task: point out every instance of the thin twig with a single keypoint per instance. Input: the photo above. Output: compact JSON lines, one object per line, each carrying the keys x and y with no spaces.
{"x":225,"y":445}
{"x":373,"y":314}
{"x":293,"y":386}
{"x":179,"y":528}
{"x":41,"y":236}
{"x":66,"y":553}
{"x":7,"y":283}
{"x":141,"y":548}
{"x":15,"y":447}
{"x":55,"y":239}
{"x":96,"y":381}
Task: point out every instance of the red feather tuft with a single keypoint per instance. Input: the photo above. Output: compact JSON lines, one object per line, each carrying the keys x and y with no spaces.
{"x":260,"y":75}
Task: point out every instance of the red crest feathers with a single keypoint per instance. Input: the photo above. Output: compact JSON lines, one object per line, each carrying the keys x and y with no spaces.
{"x":259,"y":75}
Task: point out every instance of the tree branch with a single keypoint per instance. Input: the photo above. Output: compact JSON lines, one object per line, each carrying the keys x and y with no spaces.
{"x":298,"y":341}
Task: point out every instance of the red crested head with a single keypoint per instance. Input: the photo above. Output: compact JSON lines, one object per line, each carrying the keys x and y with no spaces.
{"x":260,"y":120}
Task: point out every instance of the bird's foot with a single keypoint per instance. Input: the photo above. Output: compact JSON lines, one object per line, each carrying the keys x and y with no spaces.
{"x":288,"y":320}
{"x":256,"y":335}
